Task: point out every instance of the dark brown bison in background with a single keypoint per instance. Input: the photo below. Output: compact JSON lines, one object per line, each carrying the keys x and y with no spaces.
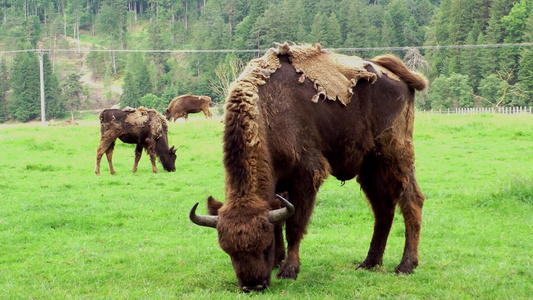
{"x":145,"y":127}
{"x":293,"y":117}
{"x":184,"y":105}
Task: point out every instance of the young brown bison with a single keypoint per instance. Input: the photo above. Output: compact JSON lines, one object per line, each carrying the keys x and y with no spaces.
{"x":184,"y":105}
{"x":144,"y":127}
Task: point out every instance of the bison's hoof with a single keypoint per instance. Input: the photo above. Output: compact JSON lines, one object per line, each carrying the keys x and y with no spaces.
{"x":406,"y":267}
{"x":369,"y":264}
{"x":288,"y":272}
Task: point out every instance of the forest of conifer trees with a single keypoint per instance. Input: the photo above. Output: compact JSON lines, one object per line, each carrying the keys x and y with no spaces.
{"x":441,"y":38}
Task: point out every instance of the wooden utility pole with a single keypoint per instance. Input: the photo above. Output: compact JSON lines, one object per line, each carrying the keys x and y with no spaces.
{"x":41,"y":77}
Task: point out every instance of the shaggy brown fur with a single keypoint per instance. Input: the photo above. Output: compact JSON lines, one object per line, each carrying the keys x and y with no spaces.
{"x":145,"y":127}
{"x":276,"y":139}
{"x":184,"y":105}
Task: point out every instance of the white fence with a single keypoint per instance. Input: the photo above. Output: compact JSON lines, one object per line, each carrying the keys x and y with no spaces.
{"x":518,"y":110}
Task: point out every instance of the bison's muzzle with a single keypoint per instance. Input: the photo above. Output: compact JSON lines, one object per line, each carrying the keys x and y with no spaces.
{"x":258,"y":288}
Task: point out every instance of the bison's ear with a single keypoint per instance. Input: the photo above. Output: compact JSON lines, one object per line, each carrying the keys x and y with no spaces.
{"x":172,"y":150}
{"x":213,"y":206}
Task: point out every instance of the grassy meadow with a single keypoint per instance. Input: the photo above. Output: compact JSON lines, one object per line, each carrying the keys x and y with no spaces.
{"x":65,"y":233}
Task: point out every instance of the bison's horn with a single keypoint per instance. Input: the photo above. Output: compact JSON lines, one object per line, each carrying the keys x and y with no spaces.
{"x":281,"y":214}
{"x":207,"y":221}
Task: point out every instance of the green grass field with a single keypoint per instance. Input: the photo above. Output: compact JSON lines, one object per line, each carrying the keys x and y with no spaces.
{"x":65,"y":233}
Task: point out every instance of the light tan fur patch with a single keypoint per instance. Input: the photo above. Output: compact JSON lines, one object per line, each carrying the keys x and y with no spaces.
{"x":334,"y":75}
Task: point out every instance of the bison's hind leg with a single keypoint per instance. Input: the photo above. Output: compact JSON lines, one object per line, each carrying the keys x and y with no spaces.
{"x":138,"y":154}
{"x":411,"y":204}
{"x":150,"y":149}
{"x":373,"y":183}
{"x":388,"y":178}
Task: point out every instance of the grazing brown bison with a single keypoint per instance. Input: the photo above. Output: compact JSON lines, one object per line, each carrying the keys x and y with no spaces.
{"x":184,"y":105}
{"x":293,"y":117}
{"x":145,"y":127}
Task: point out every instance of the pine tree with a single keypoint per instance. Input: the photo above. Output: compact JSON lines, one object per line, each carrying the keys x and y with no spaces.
{"x":96,"y":62}
{"x":318,"y":29}
{"x":4,"y":87}
{"x":333,"y":32}
{"x":387,"y":31}
{"x":399,"y":15}
{"x":33,"y":30}
{"x":71,"y":93}
{"x":442,"y":22}
{"x":244,"y":35}
{"x":525,"y":73}
{"x":514,"y":26}
{"x":130,"y":96}
{"x":54,"y":108}
{"x":137,"y":82}
{"x":471,"y":58}
{"x":155,"y":41}
{"x":353,"y":17}
{"x":495,"y":32}
{"x":269,"y":28}
{"x":25,"y":104}
{"x":411,"y":33}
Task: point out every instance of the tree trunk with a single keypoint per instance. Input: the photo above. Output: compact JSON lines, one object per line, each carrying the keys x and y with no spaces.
{"x":5,"y":12}
{"x":54,"y":56}
{"x":186,"y":15}
{"x":230,"y":25}
{"x":64,"y":22}
{"x":78,"y":31}
{"x":113,"y":59}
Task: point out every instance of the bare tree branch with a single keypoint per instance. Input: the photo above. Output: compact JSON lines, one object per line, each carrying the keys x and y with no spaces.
{"x":220,"y":85}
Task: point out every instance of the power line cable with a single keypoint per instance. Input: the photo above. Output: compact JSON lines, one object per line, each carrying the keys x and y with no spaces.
{"x":363,"y":49}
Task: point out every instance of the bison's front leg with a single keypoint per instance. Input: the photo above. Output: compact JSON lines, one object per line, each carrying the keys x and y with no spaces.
{"x":411,"y":204}
{"x":279,"y":255}
{"x":303,"y":198}
{"x":106,"y":146}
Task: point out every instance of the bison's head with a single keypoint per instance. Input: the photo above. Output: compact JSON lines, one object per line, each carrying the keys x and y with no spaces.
{"x":246,"y":233}
{"x":168,"y":115}
{"x":169,"y":160}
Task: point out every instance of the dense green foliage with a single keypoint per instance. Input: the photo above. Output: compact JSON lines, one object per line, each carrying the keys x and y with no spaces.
{"x":25,"y":101}
{"x":65,"y":233}
{"x":256,"y":25}
{"x":4,"y":87}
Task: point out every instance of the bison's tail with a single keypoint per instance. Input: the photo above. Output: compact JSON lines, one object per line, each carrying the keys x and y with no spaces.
{"x":414,"y":80}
